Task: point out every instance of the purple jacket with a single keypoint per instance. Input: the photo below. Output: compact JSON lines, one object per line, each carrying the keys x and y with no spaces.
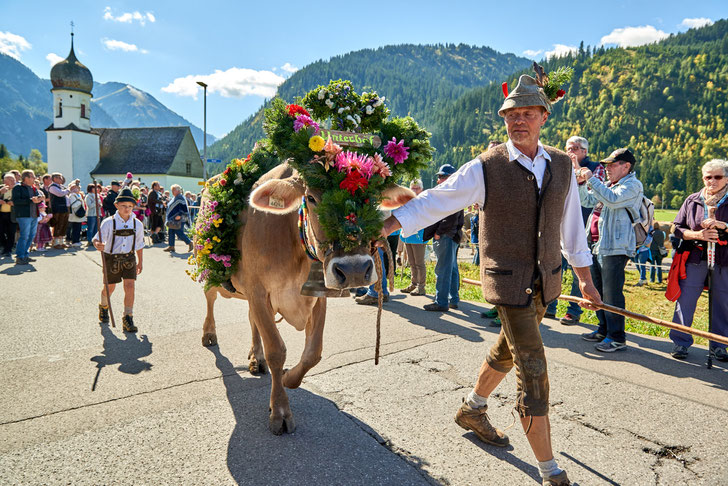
{"x":691,"y":214}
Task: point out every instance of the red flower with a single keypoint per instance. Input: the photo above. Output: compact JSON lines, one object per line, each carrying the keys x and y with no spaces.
{"x":351,"y":218}
{"x":226,"y":171}
{"x":353,"y":181}
{"x":294,"y":110}
{"x":223,"y":182}
{"x":560,"y":93}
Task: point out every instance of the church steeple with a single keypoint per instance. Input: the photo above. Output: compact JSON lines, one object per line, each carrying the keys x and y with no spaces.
{"x":71,"y":74}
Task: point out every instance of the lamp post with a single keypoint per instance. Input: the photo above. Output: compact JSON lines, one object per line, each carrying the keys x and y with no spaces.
{"x":204,"y":133}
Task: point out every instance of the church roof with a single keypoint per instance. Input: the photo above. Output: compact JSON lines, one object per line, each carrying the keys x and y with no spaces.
{"x":71,"y":74}
{"x":138,"y":150}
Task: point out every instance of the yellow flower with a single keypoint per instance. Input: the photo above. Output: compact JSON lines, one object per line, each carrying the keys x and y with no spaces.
{"x":239,"y":162}
{"x":316,"y":143}
{"x":215,"y":238}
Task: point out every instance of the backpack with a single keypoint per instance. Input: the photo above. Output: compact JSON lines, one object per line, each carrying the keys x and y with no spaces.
{"x":643,"y":224}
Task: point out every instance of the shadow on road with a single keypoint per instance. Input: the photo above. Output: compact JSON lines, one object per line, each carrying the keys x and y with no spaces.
{"x":328,"y":446}
{"x":127,"y":353}
{"x":504,"y":454}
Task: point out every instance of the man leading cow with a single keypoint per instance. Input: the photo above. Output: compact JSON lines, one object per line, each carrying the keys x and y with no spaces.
{"x":528,"y":193}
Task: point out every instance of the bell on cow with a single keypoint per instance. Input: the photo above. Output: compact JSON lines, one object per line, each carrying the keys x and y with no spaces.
{"x":314,"y":285}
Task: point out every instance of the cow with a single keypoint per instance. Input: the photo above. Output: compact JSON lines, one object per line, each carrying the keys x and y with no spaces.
{"x":273,"y":268}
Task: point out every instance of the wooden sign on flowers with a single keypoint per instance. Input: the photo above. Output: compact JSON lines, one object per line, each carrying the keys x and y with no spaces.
{"x":351,"y":139}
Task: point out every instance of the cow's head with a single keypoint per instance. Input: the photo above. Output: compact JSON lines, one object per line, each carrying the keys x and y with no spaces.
{"x":343,"y":268}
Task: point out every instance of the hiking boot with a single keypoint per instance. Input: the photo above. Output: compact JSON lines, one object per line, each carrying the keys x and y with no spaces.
{"x":409,"y":289}
{"x":720,"y":354}
{"x":476,"y":419}
{"x":418,"y":291}
{"x":169,"y":248}
{"x":128,"y":323}
{"x":434,"y":307}
{"x":104,"y":314}
{"x":593,"y":337}
{"x":610,"y":346}
{"x":569,"y":320}
{"x":679,"y":352}
{"x":559,"y":480}
{"x":22,"y":261}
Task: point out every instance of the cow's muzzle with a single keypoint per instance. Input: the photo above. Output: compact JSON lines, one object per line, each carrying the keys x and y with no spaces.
{"x":350,"y":271}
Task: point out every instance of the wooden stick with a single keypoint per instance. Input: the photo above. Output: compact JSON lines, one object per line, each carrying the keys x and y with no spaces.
{"x":379,"y":287}
{"x":640,"y":317}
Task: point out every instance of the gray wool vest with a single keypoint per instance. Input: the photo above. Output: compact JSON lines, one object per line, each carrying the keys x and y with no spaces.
{"x":520,"y":227}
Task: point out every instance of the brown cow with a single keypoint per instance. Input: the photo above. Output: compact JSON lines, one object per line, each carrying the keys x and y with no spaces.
{"x":271,"y":272}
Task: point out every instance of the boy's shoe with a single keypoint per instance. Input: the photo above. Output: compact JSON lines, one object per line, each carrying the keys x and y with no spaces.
{"x":408,"y":289}
{"x":489,"y":314}
{"x":435,"y":308}
{"x":679,"y":352}
{"x":720,"y":354}
{"x":128,"y":323}
{"x":559,"y":480}
{"x":104,"y":314}
{"x":594,"y":337}
{"x":610,"y":346}
{"x":476,"y":419}
{"x":569,"y":320}
{"x":418,"y":292}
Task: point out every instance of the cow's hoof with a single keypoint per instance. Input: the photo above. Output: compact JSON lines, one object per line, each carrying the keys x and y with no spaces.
{"x":289,"y":381}
{"x":281,"y":425}
{"x":257,"y":367}
{"x":209,"y":339}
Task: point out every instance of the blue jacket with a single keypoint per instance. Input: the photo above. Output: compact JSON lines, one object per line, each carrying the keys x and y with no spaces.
{"x":616,"y":234}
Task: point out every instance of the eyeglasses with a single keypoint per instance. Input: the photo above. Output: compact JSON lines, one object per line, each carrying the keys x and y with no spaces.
{"x":717,"y":178}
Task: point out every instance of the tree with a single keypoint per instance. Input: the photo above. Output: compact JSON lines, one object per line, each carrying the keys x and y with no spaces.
{"x":35,"y":157}
{"x":3,"y":151}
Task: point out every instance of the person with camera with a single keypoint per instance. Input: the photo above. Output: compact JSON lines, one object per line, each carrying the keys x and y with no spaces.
{"x":178,"y":215}
{"x":703,"y":219}
{"x":59,"y":208}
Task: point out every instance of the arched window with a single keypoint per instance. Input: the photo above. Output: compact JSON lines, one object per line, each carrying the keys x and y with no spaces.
{"x":60,"y":109}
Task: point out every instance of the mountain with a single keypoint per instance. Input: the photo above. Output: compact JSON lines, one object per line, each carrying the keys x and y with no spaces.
{"x":26,"y":108}
{"x":415,"y":79}
{"x":132,"y":108}
{"x":667,"y":101}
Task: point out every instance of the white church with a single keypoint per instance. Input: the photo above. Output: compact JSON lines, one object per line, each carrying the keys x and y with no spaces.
{"x":76,"y":150}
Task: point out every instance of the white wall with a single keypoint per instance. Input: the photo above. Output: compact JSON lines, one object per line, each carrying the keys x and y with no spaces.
{"x":60,"y":152}
{"x":71,"y":113}
{"x":85,"y":156}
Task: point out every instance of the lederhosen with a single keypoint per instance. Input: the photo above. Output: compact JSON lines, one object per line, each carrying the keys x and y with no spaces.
{"x":121,"y":265}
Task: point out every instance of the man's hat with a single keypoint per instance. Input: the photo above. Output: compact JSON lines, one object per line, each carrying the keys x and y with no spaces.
{"x":527,"y":93}
{"x":621,"y":155}
{"x":125,"y":196}
{"x":115,"y":183}
{"x":446,"y":170}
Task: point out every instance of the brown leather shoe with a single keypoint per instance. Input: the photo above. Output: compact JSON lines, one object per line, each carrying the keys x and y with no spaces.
{"x":476,"y":419}
{"x":409,"y":289}
{"x":559,"y":480}
{"x":419,"y":291}
{"x":169,"y":248}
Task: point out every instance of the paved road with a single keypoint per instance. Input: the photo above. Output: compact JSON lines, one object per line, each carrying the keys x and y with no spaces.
{"x":87,"y":404}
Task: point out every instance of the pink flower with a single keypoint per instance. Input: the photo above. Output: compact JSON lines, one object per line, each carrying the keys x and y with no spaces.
{"x":350,"y":161}
{"x":381,"y":167}
{"x":303,"y":121}
{"x":397,"y":151}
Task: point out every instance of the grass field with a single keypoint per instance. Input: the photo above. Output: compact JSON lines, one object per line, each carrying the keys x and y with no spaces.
{"x":648,"y":299}
{"x":665,"y":215}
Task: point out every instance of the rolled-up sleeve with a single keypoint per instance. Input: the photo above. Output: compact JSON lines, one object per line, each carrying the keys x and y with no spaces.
{"x":462,"y":189}
{"x":573,"y":236}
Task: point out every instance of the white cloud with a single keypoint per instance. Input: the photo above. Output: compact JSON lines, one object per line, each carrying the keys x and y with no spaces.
{"x":233,"y":83}
{"x":695,"y":23}
{"x":560,"y":50}
{"x":54,"y":58}
{"x":129,"y":17}
{"x":289,"y":68}
{"x":532,"y":54}
{"x":634,"y":36}
{"x":13,"y":44}
{"x":117,"y":45}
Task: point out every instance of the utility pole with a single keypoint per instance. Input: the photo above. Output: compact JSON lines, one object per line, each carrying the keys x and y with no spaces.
{"x":204,"y":128}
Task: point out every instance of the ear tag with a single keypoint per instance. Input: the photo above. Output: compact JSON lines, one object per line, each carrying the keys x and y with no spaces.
{"x":276,"y":202}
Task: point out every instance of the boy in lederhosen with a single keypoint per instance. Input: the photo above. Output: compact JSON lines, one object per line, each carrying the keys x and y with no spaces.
{"x":121,"y":244}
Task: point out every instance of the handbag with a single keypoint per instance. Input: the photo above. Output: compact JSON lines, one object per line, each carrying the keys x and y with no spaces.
{"x":174,"y":224}
{"x":81,"y":211}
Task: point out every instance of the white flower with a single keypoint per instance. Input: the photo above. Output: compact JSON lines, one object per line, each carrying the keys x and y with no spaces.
{"x":364,"y":94}
{"x":330,"y":104}
{"x":341,"y":110}
{"x":351,"y":119}
{"x":358,"y":118}
{"x":369,"y":110}
{"x":377,"y":103}
{"x":322,"y":94}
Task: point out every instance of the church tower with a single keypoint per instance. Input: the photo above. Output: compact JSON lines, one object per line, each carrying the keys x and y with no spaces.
{"x":73,"y":149}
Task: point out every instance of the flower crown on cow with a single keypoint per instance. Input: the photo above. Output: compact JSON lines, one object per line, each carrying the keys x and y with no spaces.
{"x":345,"y":145}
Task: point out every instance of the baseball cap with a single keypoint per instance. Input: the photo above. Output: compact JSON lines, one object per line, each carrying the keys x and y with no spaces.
{"x":620,"y":155}
{"x":446,"y":170}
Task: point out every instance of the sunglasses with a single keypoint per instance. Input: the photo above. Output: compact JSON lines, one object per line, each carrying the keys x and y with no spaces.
{"x":717,"y":178}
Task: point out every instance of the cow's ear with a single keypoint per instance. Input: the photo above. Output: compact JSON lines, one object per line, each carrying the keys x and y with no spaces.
{"x":395,"y":196}
{"x":279,"y":196}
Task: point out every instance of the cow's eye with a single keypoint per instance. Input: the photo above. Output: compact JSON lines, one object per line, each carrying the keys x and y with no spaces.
{"x":311,"y":199}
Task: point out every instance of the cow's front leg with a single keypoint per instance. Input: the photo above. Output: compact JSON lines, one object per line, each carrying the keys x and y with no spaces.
{"x":256,"y":363}
{"x":261,"y":315}
{"x":209,"y":334}
{"x":312,"y":350}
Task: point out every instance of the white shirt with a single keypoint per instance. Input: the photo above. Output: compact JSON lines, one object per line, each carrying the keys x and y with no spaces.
{"x":466,"y":187}
{"x":123,"y":244}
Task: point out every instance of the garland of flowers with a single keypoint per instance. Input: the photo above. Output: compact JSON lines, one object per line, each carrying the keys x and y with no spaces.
{"x":216,"y":254}
{"x":351,"y":179}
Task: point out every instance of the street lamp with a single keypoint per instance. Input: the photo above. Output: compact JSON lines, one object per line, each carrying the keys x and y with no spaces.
{"x":204,"y":133}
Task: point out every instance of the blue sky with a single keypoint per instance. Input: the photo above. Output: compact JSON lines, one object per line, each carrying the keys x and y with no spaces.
{"x":244,"y":49}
